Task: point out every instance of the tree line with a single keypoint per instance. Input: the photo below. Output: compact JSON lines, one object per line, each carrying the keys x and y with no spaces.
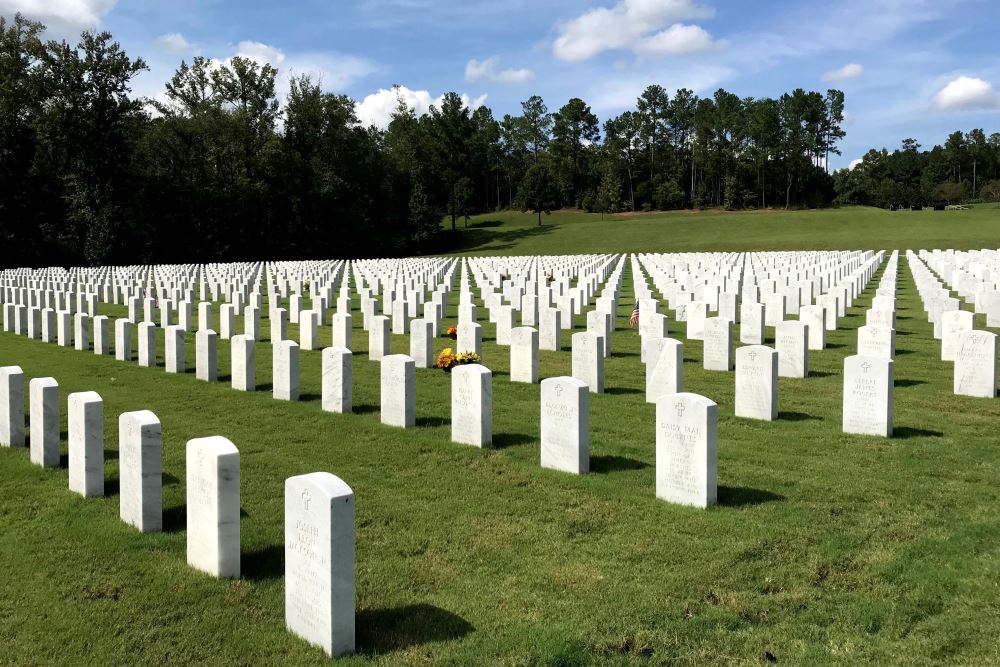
{"x":220,"y":169}
{"x":965,"y":169}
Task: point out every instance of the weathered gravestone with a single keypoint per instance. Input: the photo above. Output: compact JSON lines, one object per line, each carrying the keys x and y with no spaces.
{"x":342,"y":324}
{"x":791,"y":342}
{"x":472,"y":405}
{"x":813,"y":318}
{"x":422,"y":343}
{"x":953,"y":324}
{"x":44,"y":422}
{"x":524,"y":355}
{"x":717,"y":332}
{"x":86,"y":443}
{"x":868,"y":388}
{"x":757,"y":382}
{"x":102,"y":343}
{"x":285,"y":370}
{"x":213,"y":506}
{"x":123,"y":339}
{"x":470,"y":338}
{"x":337,"y":379}
{"x":147,"y":344}
{"x":876,"y":341}
{"x":11,"y":406}
{"x":378,"y":337}
{"x":686,"y":432}
{"x":398,"y":391}
{"x":243,"y":363}
{"x":206,"y":355}
{"x":751,"y":323}
{"x":565,"y":425}
{"x":588,"y":360}
{"x":664,"y":368}
{"x":320,"y":561}
{"x":976,"y":364}
{"x":173,"y":337}
{"x":140,"y":450}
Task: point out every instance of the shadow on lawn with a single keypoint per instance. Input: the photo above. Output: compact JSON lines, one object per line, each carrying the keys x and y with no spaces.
{"x":503,"y":440}
{"x":740,"y":496}
{"x":614,"y":391}
{"x":175,"y":519}
{"x":615,"y":463}
{"x":263,"y":564}
{"x":484,"y":234}
{"x":384,"y":630}
{"x":907,"y":432}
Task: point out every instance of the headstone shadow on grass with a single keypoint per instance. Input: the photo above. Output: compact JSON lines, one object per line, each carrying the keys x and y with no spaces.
{"x":502,"y":440}
{"x":610,"y":463}
{"x":907,"y":432}
{"x":263,"y":564}
{"x":399,"y":628}
{"x":741,"y":496}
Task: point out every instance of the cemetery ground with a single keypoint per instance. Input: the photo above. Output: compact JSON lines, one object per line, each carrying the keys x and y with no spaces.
{"x":824,"y":547}
{"x":848,"y":228}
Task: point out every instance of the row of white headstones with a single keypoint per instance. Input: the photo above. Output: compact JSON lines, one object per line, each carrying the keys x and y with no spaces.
{"x":686,"y":423}
{"x":973,"y":351}
{"x":319,"y":507}
{"x":757,"y":366}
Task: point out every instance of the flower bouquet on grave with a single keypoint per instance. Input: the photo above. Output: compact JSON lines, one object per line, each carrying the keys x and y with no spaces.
{"x":452,"y":332}
{"x":446,"y":360}
{"x":463,"y":358}
{"x":549,"y":278}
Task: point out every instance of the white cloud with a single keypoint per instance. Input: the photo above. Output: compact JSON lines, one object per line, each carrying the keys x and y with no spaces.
{"x":848,"y":71}
{"x":377,"y":109}
{"x":476,"y":70}
{"x":62,"y":16}
{"x":333,"y":70}
{"x":967,"y":92}
{"x":649,"y":27}
{"x":855,"y":163}
{"x":173,"y":41}
{"x":676,"y":39}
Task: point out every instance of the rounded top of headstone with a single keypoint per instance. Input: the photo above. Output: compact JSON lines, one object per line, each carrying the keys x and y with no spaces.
{"x":754,"y":351}
{"x":321,"y":484}
{"x":140,"y":418}
{"x":43,"y":382}
{"x":215,"y":444}
{"x":685,"y":399}
{"x":85,"y":397}
{"x":563,"y":381}
{"x":11,"y":370}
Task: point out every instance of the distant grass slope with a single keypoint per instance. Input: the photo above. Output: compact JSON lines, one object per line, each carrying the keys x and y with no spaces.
{"x":569,"y":232}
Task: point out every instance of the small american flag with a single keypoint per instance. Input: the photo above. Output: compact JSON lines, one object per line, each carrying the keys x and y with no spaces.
{"x":634,"y":320}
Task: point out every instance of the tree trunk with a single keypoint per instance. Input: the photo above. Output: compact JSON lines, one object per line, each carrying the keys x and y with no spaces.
{"x":631,"y":192}
{"x":539,"y":217}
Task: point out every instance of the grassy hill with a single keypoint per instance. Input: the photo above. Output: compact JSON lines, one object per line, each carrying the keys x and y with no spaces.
{"x":825,"y":548}
{"x":565,"y":232}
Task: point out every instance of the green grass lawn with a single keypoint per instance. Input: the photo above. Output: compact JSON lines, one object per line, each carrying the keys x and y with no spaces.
{"x":825,"y":548}
{"x":848,"y":228}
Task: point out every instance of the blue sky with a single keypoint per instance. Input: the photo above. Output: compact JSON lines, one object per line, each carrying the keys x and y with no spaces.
{"x":909,"y":68}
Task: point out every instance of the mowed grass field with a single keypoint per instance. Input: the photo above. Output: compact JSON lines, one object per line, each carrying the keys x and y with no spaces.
{"x":846,"y":228}
{"x":825,"y":548}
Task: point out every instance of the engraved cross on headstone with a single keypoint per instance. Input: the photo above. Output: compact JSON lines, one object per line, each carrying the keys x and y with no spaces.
{"x":306,"y":499}
{"x":866,"y":367}
{"x":680,"y":407}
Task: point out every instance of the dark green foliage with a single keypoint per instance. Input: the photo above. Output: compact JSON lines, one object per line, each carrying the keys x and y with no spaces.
{"x":966,"y":168}
{"x":539,"y":192}
{"x":220,"y":169}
